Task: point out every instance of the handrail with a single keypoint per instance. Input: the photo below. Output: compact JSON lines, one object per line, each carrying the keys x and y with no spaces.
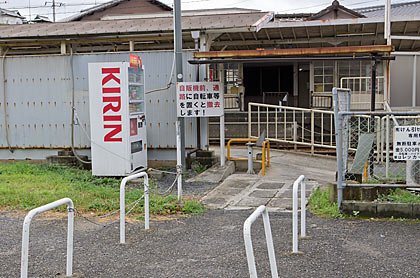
{"x":300,"y":181}
{"x":265,"y":157}
{"x":122,"y":202}
{"x":268,"y":237}
{"x":288,"y":107}
{"x":25,"y":234}
{"x":237,"y":140}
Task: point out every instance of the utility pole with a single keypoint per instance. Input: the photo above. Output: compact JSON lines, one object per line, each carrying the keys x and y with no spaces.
{"x":180,"y":136}
{"x":53,"y":6}
{"x":178,"y":63}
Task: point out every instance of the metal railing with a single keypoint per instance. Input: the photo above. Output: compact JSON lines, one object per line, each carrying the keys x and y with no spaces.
{"x":234,"y":101}
{"x":292,"y":125}
{"x":321,"y":101}
{"x":265,"y":160}
{"x":300,"y":181}
{"x":361,"y":91}
{"x":25,"y":234}
{"x":122,"y":202}
{"x":261,"y":210}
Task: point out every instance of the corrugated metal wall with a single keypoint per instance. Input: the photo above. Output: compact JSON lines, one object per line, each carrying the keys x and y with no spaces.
{"x":402,"y":81}
{"x":38,"y":102}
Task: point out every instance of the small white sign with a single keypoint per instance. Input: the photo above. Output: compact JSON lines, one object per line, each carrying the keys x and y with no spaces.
{"x":407,"y":143}
{"x":199,"y":99}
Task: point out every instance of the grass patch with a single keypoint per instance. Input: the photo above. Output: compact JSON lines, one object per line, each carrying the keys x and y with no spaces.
{"x":399,"y":195}
{"x":24,"y":186}
{"x":320,"y":205}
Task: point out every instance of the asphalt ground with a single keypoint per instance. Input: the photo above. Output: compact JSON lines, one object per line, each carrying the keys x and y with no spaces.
{"x":211,"y":245}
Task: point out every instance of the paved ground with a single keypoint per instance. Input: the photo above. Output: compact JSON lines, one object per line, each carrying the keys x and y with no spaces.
{"x":211,"y":245}
{"x":241,"y":191}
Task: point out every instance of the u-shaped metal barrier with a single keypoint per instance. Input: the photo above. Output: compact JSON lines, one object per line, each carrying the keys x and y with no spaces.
{"x":248,"y":242}
{"x":122,"y":202}
{"x":25,"y":234}
{"x":300,"y":181}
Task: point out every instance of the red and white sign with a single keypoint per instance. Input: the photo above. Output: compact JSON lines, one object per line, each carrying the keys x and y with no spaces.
{"x":111,"y":101}
{"x":199,"y":99}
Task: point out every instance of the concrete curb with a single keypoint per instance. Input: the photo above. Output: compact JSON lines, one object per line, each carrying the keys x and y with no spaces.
{"x":378,"y":209}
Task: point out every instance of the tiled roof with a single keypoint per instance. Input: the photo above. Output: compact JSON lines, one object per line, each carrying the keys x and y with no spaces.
{"x":397,"y":10}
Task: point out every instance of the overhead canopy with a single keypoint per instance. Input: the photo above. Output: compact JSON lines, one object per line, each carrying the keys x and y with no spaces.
{"x":295,"y":51}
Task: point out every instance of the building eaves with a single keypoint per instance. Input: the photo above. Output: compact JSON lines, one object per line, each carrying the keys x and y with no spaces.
{"x":397,"y":10}
{"x":244,"y":22}
{"x":105,"y":6}
{"x":333,"y":7}
{"x":11,"y":13}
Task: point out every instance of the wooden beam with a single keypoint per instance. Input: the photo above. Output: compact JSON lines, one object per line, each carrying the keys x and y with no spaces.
{"x":295,"y":51}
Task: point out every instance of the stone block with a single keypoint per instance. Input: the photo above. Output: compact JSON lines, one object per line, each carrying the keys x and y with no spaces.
{"x":368,"y":209}
{"x":416,"y":211}
{"x":395,"y":210}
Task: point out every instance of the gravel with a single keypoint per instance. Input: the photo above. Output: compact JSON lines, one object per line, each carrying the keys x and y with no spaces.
{"x":211,"y":245}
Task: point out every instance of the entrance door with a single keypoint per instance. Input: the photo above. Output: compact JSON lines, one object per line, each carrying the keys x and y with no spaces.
{"x":304,"y":87}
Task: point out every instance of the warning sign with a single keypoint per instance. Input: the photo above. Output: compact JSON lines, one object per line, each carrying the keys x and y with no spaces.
{"x":199,"y":99}
{"x":407,"y":143}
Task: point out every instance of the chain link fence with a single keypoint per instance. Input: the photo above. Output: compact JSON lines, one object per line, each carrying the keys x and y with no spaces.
{"x":365,"y":147}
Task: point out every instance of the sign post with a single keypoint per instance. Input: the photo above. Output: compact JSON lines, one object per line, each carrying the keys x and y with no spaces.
{"x":202,"y":99}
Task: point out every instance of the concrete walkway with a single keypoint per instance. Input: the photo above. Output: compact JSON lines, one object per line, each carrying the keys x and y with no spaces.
{"x":244,"y":191}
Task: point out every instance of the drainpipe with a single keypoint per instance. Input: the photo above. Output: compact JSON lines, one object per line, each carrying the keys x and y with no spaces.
{"x":196,"y":35}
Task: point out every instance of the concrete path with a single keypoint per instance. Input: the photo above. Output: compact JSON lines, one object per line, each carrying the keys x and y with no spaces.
{"x":243,"y":191}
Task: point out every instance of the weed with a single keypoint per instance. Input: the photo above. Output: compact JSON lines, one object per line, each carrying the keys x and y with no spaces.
{"x":319,"y":204}
{"x":356,"y":213}
{"x":27,"y":186}
{"x":399,"y":195}
{"x":193,"y":207}
{"x":199,"y":168}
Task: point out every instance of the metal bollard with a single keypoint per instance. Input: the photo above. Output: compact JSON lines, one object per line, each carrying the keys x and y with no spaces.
{"x":250,"y":158}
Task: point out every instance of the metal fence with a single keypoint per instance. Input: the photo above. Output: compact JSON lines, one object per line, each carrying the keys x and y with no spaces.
{"x":292,"y":125}
{"x":365,"y":148}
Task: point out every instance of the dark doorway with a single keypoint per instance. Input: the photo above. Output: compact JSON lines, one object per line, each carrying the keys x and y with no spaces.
{"x":304,"y":88}
{"x":271,"y":78}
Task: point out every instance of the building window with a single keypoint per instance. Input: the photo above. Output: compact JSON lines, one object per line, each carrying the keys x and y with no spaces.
{"x":356,"y":75}
{"x":323,"y":76}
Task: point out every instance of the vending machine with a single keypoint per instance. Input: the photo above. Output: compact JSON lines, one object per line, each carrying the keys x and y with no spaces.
{"x":117,"y":117}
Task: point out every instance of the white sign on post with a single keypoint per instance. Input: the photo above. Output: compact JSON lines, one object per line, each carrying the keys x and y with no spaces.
{"x":199,"y":99}
{"x":407,"y":143}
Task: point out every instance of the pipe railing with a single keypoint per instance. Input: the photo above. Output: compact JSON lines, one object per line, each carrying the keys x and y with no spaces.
{"x":25,"y":234}
{"x":122,"y":202}
{"x":299,"y":182}
{"x":265,"y":159}
{"x":261,"y":210}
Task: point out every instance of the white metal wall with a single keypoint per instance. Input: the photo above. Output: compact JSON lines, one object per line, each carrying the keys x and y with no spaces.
{"x":38,"y":103}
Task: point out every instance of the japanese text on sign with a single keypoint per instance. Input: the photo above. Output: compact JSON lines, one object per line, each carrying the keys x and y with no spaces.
{"x":407,"y":143}
{"x":199,"y":99}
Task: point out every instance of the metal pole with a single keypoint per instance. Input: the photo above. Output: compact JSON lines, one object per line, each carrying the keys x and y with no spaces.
{"x":222,"y":140}
{"x":414,"y":92}
{"x":372,"y":118}
{"x":261,"y":210}
{"x":53,"y":6}
{"x":387,"y":148}
{"x":339,"y":138}
{"x":25,"y":234}
{"x":387,"y":33}
{"x":178,"y":62}
{"x":122,"y":202}
{"x":178,"y":158}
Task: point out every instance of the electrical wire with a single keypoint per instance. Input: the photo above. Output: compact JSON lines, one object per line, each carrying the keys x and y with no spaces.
{"x":73,"y":111}
{"x":170,"y":79}
{"x":4,"y":101}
